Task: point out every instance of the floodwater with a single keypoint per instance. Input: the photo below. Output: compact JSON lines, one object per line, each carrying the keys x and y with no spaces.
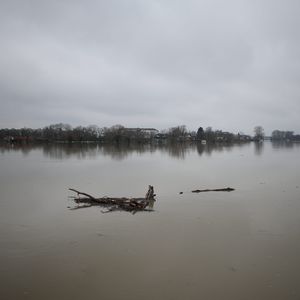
{"x":243,"y":244}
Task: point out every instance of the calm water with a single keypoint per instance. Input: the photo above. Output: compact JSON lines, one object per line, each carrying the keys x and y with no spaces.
{"x":239,"y":245}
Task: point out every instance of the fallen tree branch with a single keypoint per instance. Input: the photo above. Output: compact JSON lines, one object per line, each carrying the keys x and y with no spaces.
{"x":114,"y":203}
{"x":228,"y":189}
{"x":84,"y":194}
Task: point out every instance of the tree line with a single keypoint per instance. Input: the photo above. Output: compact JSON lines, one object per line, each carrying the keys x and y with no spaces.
{"x":62,"y":132}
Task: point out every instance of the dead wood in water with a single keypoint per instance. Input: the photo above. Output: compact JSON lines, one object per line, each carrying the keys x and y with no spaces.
{"x":114,"y":203}
{"x":228,"y":189}
{"x":84,"y":194}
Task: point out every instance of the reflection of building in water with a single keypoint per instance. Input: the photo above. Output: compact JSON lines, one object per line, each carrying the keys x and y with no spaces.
{"x":284,"y":144}
{"x":146,"y":133}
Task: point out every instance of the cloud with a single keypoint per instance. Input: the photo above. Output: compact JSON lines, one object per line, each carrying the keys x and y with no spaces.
{"x":227,"y":64}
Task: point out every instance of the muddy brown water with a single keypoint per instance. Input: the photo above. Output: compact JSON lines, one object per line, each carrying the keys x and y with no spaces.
{"x":243,"y":244}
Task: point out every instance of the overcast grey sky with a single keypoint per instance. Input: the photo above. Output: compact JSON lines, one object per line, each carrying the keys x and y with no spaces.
{"x":230,"y":64}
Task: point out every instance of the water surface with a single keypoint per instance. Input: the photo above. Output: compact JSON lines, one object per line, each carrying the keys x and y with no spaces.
{"x":239,"y":245}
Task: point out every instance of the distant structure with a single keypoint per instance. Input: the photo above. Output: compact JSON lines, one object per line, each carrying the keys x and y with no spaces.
{"x":144,"y":132}
{"x":278,"y":135}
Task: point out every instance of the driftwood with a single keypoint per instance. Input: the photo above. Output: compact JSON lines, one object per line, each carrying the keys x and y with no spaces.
{"x":112,"y":203}
{"x":228,"y":189}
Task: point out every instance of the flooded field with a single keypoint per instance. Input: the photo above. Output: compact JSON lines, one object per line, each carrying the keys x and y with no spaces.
{"x":243,"y":244}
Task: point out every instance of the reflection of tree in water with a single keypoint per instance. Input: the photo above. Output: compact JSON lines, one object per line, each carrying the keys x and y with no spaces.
{"x":122,"y":151}
{"x":55,"y":151}
{"x":258,"y":148}
{"x":25,"y":149}
{"x":118,"y":151}
{"x":91,"y":150}
{"x":177,"y":150}
{"x":208,"y":149}
{"x":65,"y":151}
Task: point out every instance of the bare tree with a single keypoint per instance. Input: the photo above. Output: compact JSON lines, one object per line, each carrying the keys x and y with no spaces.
{"x":259,"y":133}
